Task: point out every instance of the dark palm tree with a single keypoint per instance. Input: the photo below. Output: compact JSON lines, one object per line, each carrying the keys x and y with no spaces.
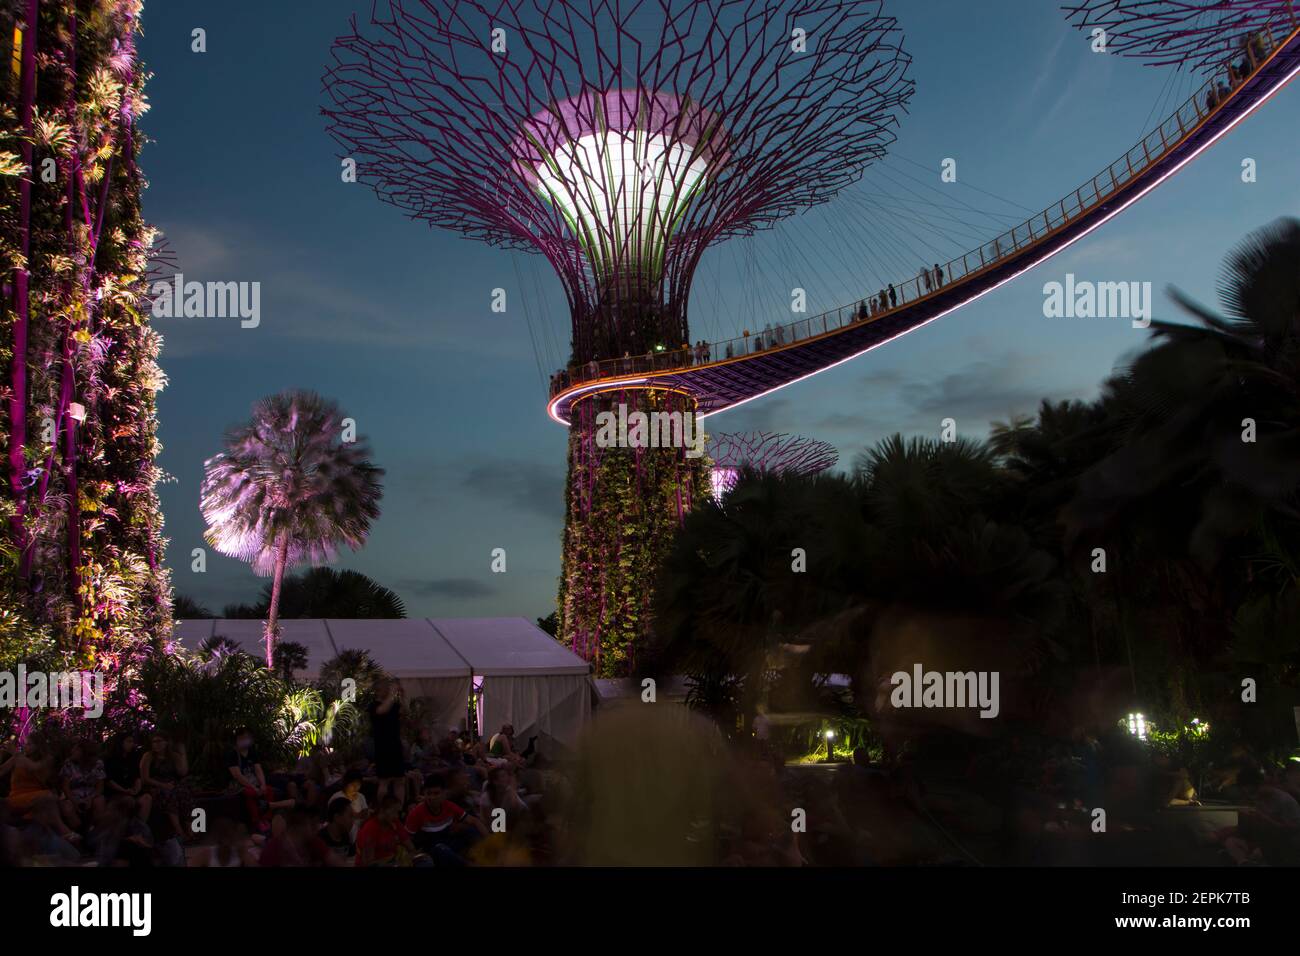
{"x":913,"y":532}
{"x":325,"y":592}
{"x":1183,"y":405}
{"x":288,"y":490}
{"x":185,"y":608}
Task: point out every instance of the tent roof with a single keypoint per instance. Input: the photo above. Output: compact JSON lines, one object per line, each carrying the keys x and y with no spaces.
{"x":408,"y":647}
{"x":247,"y":635}
{"x":503,"y":646}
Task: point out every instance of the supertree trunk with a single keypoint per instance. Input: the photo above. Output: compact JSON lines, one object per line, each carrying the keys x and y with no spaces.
{"x":18,"y":375}
{"x":623,"y":506}
{"x":85,"y":517}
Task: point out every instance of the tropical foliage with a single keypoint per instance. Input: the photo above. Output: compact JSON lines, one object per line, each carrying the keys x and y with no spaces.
{"x":1141,"y":550}
{"x":201,"y":699}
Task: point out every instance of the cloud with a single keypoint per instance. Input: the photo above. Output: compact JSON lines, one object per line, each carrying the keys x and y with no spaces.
{"x":309,"y":298}
{"x":448,"y":588}
{"x":770,"y":414}
{"x":995,"y":388}
{"x":518,"y":484}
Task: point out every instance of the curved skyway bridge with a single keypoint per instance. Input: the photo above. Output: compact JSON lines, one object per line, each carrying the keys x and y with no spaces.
{"x":726,"y":374}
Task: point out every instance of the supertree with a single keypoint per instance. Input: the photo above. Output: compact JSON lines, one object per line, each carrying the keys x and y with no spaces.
{"x":1194,"y":34}
{"x":766,"y":452}
{"x":620,"y":141}
{"x":82,"y":537}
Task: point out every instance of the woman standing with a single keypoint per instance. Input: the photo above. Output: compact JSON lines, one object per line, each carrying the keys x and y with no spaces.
{"x":386,"y":732}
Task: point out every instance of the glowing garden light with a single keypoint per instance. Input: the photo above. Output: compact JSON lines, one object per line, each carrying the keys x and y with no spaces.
{"x":1137,"y":726}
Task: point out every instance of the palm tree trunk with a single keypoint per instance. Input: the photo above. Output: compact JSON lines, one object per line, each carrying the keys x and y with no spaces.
{"x":273,"y":615}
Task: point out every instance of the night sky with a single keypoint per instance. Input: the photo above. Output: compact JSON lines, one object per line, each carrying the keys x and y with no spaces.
{"x":393,"y":320}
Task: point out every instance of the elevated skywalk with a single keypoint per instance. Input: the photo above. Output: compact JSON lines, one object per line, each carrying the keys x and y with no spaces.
{"x":745,"y":368}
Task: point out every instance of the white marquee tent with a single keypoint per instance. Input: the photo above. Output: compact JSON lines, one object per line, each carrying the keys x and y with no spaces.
{"x":522,"y":674}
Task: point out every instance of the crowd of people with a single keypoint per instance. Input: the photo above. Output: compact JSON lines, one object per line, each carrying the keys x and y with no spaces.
{"x":1254,"y":48}
{"x":433,"y":800}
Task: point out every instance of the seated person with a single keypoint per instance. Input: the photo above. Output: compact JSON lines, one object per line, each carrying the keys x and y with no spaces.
{"x":297,"y":843}
{"x":458,"y":786}
{"x":441,"y":828}
{"x":352,"y":795}
{"x":337,"y":832}
{"x":249,"y":779}
{"x":502,"y":748}
{"x":164,"y":771}
{"x":425,"y":752}
{"x":122,"y":774}
{"x":501,"y":793}
{"x":10,"y":854}
{"x":31,"y":769}
{"x":382,"y":840}
{"x":317,"y":773}
{"x":82,"y":784}
{"x":46,"y":836}
{"x":231,"y":847}
{"x":122,"y":838}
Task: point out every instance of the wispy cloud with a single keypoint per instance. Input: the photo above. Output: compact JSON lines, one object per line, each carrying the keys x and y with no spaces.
{"x":456,"y":588}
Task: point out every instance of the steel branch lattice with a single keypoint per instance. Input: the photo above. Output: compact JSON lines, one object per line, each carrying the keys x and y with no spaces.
{"x":618,"y":139}
{"x":771,"y":452}
{"x":1194,"y":34}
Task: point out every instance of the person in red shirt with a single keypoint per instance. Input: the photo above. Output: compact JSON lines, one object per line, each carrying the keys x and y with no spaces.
{"x":297,"y":845}
{"x":382,"y":840}
{"x":441,"y":828}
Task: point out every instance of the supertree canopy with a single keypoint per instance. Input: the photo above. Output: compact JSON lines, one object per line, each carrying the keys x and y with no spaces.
{"x":1195,"y":34}
{"x":766,"y":452}
{"x":620,"y":141}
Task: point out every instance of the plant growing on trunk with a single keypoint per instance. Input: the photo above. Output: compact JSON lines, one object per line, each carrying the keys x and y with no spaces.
{"x":290,"y":487}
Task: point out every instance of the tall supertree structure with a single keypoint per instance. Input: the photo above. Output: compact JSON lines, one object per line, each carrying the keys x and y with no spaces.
{"x":83,"y":579}
{"x":1195,"y":34}
{"x":620,"y":141}
{"x":771,"y":452}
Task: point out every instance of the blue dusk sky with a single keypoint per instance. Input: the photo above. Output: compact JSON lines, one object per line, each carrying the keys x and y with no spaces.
{"x":392,"y":319}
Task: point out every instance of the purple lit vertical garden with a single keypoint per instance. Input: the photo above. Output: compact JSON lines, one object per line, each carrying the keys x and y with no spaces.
{"x":621,"y":143}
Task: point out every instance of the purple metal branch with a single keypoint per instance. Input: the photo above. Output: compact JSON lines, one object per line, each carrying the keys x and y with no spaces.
{"x":773,"y":107}
{"x":1197,"y":35}
{"x":771,"y":452}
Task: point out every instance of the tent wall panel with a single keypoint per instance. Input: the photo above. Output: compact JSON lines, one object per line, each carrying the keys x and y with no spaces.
{"x":554,"y":708}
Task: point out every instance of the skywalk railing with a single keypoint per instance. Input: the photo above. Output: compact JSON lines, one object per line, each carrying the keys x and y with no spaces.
{"x":1209,"y":98}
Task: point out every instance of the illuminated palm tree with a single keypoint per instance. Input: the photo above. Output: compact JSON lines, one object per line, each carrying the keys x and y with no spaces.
{"x":291,"y":486}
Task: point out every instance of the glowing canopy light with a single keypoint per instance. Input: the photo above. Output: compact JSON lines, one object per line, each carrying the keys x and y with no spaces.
{"x":620,"y":141}
{"x":723,"y":479}
{"x":621,"y":167}
{"x":764,"y":452}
